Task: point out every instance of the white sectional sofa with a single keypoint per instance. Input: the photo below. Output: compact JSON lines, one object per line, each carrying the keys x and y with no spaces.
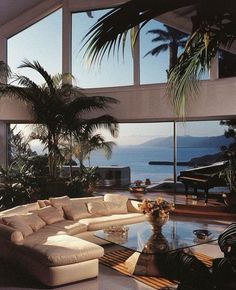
{"x":54,"y":239}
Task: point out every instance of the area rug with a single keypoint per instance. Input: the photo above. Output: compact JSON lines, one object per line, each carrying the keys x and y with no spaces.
{"x":116,"y":260}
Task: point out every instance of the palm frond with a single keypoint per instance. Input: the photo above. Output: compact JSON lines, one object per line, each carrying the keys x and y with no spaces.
{"x":162,"y":35}
{"x":106,"y":122}
{"x":25,"y":81}
{"x":82,"y":105}
{"x":107,"y":148}
{"x":183,"y":78}
{"x":157,"y":50}
{"x":214,"y":28}
{"x":106,"y":33}
{"x":35,"y":65}
{"x":5,"y":71}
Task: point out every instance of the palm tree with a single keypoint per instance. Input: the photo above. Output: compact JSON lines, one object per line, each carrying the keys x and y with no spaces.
{"x":171,"y":39}
{"x":59,"y":109}
{"x":213,"y":27}
{"x":84,"y":144}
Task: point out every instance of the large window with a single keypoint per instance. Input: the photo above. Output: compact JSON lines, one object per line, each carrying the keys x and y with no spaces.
{"x":137,"y":145}
{"x":42,"y":42}
{"x":111,"y":72}
{"x":152,"y":68}
{"x":197,"y":139}
{"x":140,"y":143}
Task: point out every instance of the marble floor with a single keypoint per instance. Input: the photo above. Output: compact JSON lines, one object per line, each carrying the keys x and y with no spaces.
{"x":12,"y":278}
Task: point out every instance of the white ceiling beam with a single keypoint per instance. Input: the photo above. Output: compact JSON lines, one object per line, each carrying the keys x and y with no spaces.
{"x":29,"y":17}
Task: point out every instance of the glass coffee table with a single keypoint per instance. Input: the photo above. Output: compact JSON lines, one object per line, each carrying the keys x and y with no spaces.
{"x":176,"y":235}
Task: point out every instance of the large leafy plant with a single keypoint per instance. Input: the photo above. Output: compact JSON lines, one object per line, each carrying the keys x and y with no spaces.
{"x":60,"y":109}
{"x":15,"y":188}
{"x":83,"y":182}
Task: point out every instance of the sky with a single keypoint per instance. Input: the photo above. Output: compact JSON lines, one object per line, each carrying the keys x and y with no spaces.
{"x":42,"y":42}
{"x":131,"y":134}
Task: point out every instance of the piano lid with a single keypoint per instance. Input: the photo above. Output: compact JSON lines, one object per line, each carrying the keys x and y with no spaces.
{"x":207,"y":168}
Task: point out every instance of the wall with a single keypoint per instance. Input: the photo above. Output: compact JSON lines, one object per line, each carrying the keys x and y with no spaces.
{"x":216,"y":100}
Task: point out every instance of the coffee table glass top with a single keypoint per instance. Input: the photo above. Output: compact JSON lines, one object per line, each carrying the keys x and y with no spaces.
{"x":176,"y":234}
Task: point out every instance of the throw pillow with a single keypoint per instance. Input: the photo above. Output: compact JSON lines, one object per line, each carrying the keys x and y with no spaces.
{"x":49,"y":215}
{"x":98,"y":208}
{"x":76,"y":211}
{"x":59,"y":202}
{"x":34,"y":221}
{"x":116,"y":203}
{"x":17,"y":222}
{"x":43,"y":202}
{"x":10,"y":233}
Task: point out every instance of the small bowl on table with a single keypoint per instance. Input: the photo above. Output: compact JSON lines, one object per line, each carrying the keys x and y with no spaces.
{"x":202,"y":234}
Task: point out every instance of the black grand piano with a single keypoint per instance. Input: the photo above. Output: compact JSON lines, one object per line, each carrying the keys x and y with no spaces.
{"x":205,"y":177}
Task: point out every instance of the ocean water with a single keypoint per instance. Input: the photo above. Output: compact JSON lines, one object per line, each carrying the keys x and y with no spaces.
{"x":137,"y":158}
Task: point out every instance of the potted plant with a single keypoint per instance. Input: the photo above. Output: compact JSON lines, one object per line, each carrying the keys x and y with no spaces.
{"x":83,"y":183}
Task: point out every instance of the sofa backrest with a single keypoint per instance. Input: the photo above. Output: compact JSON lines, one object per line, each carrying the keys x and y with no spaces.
{"x":23,"y":209}
{"x":87,"y":199}
{"x":20,"y":209}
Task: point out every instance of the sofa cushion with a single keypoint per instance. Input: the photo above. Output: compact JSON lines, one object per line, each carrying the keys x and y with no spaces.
{"x":76,"y":211}
{"x":97,"y":223}
{"x":11,"y":234}
{"x":68,"y":227}
{"x":49,"y":215}
{"x":19,"y":223}
{"x":116,"y":203}
{"x":133,"y":205}
{"x":98,"y":208}
{"x":62,"y":250}
{"x":59,"y":202}
{"x":43,"y":202}
{"x":34,"y":221}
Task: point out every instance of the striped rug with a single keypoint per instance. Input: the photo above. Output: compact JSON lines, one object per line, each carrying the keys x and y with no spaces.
{"x":116,"y":260}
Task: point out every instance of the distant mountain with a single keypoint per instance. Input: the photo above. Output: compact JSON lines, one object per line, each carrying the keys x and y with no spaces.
{"x":190,"y":142}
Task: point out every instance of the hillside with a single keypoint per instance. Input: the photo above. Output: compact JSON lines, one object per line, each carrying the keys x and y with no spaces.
{"x":190,"y":142}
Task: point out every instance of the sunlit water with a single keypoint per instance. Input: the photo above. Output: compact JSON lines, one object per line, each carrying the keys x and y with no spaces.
{"x":138,"y":157}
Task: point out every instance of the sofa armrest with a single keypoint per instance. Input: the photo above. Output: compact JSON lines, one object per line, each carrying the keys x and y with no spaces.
{"x":11,"y":234}
{"x":132,"y":205}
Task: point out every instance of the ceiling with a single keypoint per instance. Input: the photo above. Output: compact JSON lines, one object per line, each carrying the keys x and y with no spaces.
{"x":9,"y":9}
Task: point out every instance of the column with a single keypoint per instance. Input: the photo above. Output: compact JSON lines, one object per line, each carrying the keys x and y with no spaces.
{"x":214,"y":70}
{"x":66,"y":38}
{"x":3,"y":144}
{"x":3,"y":125}
{"x":136,"y":59}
